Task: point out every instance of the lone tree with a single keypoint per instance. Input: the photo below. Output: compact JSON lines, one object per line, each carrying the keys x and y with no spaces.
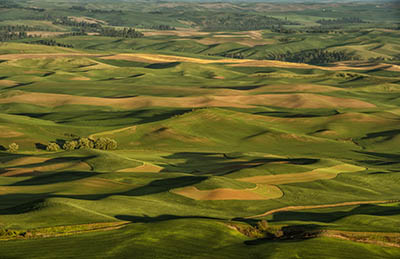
{"x":13,"y":147}
{"x":52,"y":147}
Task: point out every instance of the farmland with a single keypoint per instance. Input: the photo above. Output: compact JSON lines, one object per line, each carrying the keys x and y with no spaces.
{"x":196,"y":136}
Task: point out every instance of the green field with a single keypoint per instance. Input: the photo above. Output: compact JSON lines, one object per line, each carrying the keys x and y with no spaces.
{"x":225,"y":145}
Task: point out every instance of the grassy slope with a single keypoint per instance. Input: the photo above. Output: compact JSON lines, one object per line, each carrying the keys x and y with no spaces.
{"x":207,"y":148}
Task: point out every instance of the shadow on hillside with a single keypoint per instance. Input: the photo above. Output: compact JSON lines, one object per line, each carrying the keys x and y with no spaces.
{"x":6,"y":157}
{"x":291,"y":114}
{"x":146,"y":116}
{"x":26,"y":202}
{"x":383,"y":135}
{"x":242,"y":87}
{"x":329,"y":217}
{"x":163,"y":65}
{"x":58,"y":177}
{"x":2,"y":148}
{"x":220,"y":164}
{"x":166,"y":217}
{"x":154,"y":187}
{"x":40,"y":146}
{"x":164,"y":185}
{"x":380,"y":159}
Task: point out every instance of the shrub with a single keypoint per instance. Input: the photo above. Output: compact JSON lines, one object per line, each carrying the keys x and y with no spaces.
{"x":70,"y":145}
{"x":105,"y":144}
{"x":52,"y":147}
{"x":13,"y":147}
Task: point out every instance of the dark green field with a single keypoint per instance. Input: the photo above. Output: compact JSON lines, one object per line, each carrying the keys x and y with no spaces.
{"x":212,"y":130}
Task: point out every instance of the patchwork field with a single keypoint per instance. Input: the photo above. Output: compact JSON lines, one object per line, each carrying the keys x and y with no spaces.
{"x":200,"y":138}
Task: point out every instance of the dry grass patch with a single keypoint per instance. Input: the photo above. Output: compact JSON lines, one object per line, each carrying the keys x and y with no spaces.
{"x":26,"y":161}
{"x":6,"y":132}
{"x":80,"y":78}
{"x":145,"y":168}
{"x":130,"y":129}
{"x":261,"y":192}
{"x":317,"y":174}
{"x":158,"y":58}
{"x":8,"y":83}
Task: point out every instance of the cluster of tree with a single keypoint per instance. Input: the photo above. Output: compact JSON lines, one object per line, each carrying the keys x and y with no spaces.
{"x":344,"y":20}
{"x":163,"y":27}
{"x":6,"y":36}
{"x":315,"y":56}
{"x":124,"y":33}
{"x":102,"y":143}
{"x":49,"y":42}
{"x":314,"y":29}
{"x":241,"y":22}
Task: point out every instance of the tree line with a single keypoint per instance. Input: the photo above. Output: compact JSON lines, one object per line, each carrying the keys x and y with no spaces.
{"x":50,"y":42}
{"x":124,"y":33}
{"x":101,"y":143}
{"x":344,"y":20}
{"x":315,"y":56}
{"x":241,"y":22}
{"x":7,"y":36}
